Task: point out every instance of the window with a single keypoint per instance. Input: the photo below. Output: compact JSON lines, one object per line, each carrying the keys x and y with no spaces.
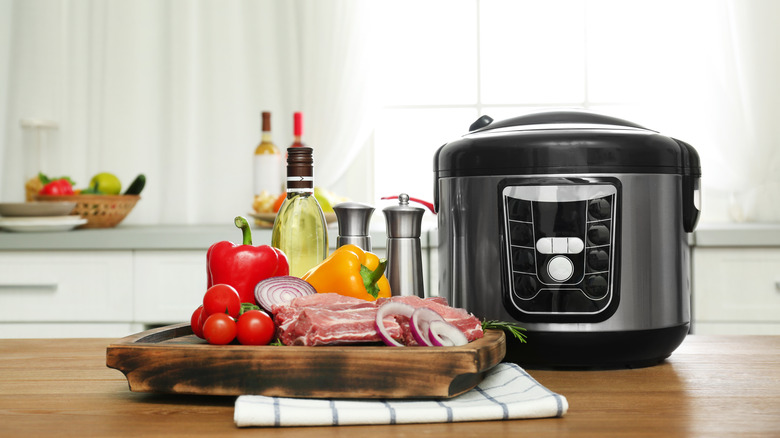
{"x":637,"y":61}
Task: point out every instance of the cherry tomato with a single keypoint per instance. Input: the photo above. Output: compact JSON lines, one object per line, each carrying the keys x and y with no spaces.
{"x":219,"y":329}
{"x":196,"y":323}
{"x":222,"y":298}
{"x":201,"y":320}
{"x":255,"y":327}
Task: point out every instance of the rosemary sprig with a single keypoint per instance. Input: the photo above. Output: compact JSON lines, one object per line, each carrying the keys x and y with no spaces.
{"x":510,"y":327}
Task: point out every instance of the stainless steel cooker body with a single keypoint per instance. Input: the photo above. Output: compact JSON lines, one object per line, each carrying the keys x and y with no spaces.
{"x":652,"y":284}
{"x":575,"y":225}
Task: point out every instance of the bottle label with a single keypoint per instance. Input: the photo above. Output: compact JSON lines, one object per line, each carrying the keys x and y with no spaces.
{"x":268,"y":171}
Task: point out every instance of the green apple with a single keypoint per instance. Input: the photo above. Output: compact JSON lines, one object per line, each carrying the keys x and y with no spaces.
{"x":106,"y":183}
{"x":322,"y":198}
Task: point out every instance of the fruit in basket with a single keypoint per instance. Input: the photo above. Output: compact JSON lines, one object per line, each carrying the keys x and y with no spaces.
{"x":327,"y":199}
{"x":60,"y":186}
{"x":137,"y":185}
{"x":265,"y":202}
{"x":105,"y":183}
{"x":32,"y":187}
{"x":43,"y":185}
{"x":279,"y":201}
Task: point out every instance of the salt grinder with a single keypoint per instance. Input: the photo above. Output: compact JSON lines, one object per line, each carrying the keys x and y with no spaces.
{"x":404,"y":254}
{"x":354,"y":219}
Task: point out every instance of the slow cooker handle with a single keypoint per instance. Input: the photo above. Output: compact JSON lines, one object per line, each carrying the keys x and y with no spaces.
{"x":691,"y":186}
{"x":485,"y":123}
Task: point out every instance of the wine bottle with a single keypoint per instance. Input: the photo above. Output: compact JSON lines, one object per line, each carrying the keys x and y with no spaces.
{"x":267,"y":164}
{"x":300,"y":230}
{"x":297,"y":130}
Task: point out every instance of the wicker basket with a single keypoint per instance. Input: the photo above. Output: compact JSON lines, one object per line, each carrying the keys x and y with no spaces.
{"x":100,"y":211}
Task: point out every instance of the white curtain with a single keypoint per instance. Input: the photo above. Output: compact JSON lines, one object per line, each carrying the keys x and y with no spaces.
{"x":174,"y":90}
{"x":744,"y":107}
{"x":725,"y":102}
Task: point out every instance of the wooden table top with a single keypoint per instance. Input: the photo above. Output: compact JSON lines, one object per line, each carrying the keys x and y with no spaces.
{"x":710,"y":386}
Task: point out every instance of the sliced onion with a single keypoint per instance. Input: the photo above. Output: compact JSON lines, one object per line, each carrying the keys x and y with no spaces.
{"x":390,"y":308}
{"x":276,"y":291}
{"x":444,"y":334}
{"x":419,"y":324}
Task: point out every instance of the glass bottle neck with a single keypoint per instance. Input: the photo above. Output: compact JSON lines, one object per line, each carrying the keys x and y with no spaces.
{"x":300,"y":169}
{"x":306,"y":191}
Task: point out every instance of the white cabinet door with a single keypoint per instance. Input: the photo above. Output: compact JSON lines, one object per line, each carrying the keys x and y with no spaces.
{"x":736,"y":285}
{"x":65,"y":286}
{"x":169,"y":285}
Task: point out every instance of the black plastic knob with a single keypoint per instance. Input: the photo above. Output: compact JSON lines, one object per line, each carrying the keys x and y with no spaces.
{"x":596,"y":286}
{"x":598,"y":235}
{"x":598,"y":260}
{"x":599,"y":209}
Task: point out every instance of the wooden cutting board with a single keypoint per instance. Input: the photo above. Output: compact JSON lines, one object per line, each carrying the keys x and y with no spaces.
{"x":172,"y":360}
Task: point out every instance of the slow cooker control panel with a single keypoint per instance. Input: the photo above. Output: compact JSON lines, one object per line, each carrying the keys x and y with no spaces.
{"x":560,"y":248}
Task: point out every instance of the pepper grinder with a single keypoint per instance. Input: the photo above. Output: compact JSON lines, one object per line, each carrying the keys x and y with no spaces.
{"x":404,"y":254}
{"x":354,"y":219}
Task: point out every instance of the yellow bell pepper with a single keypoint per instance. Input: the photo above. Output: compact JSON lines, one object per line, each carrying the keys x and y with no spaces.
{"x":352,"y":272}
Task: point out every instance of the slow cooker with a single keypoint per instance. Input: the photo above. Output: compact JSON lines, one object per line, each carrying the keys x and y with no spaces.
{"x":575,"y":226}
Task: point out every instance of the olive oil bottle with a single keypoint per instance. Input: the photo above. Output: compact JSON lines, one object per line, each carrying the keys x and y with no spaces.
{"x":300,"y":230}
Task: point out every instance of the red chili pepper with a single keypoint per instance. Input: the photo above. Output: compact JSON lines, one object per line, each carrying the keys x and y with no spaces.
{"x":57,"y":187}
{"x":243,"y":266}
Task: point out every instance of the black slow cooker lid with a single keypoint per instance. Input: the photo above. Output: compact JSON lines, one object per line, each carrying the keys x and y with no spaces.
{"x":563,"y":142}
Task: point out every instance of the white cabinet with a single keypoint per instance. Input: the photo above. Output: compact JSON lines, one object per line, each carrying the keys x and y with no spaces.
{"x":66,"y":286}
{"x":736,"y":290}
{"x":169,"y":285}
{"x":94,"y":293}
{"x":77,"y":293}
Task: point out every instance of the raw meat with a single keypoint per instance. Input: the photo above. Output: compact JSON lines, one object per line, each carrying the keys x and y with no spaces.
{"x":333,"y":319}
{"x":329,"y":319}
{"x":469,"y":324}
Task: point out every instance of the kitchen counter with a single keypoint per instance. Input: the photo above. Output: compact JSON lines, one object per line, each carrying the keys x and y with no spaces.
{"x":711,"y":386}
{"x":190,"y":236}
{"x":152,"y":237}
{"x":129,"y":237}
{"x":745,"y":234}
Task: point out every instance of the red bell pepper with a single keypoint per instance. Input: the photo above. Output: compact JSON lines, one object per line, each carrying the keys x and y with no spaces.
{"x":243,"y":266}
{"x":61,"y":186}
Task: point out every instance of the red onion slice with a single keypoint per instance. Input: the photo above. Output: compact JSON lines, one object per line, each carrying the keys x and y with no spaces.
{"x":390,"y":308}
{"x":420,"y":322}
{"x":444,"y":334}
{"x":275,"y":291}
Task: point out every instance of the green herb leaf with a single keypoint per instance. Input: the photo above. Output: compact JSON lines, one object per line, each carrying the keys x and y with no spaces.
{"x":45,"y":179}
{"x":246,"y":307}
{"x":509,"y":327}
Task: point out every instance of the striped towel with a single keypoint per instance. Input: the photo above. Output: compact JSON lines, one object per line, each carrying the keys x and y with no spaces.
{"x":507,"y":392}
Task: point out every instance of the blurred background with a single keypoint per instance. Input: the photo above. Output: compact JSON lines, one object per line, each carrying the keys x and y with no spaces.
{"x":174,"y":89}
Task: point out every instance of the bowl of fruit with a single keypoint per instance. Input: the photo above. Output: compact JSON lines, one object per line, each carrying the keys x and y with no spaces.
{"x":265,"y":206}
{"x":102,"y":203}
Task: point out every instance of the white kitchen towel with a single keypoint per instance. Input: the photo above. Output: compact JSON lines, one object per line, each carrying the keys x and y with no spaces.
{"x":506,"y":393}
